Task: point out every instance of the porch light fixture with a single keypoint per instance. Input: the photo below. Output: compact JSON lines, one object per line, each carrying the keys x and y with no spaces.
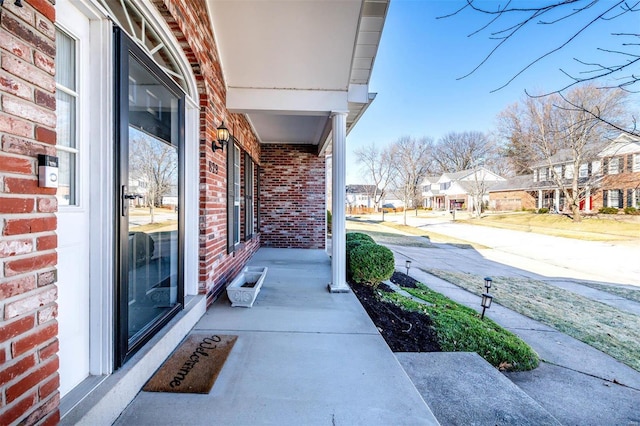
{"x":485,"y":303}
{"x":407,"y":265}
{"x":222,"y":134}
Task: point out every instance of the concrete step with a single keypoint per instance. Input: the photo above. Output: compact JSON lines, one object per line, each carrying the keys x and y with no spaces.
{"x":461,"y":388}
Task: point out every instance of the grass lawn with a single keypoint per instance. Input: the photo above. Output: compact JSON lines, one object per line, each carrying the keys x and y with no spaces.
{"x":611,"y":228}
{"x":460,"y":329}
{"x":631,"y":293}
{"x":397,"y":234}
{"x":606,"y":328}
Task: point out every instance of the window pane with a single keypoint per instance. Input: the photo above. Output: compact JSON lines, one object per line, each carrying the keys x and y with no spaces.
{"x":66,"y":119}
{"x":66,"y":178}
{"x":65,"y":60}
{"x":66,"y":125}
{"x":236,"y":191}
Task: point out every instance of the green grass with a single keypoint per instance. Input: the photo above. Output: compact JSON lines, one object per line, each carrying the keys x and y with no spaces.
{"x":624,"y":292}
{"x":460,"y":329}
{"x":604,"y":327}
{"x":613,"y":228}
{"x":403,"y":235}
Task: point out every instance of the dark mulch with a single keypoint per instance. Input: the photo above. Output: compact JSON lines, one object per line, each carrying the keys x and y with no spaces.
{"x":404,"y":331}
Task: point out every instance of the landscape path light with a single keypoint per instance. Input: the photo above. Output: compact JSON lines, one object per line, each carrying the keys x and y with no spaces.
{"x":487,"y":283}
{"x":407,"y":265}
{"x":485,"y":303}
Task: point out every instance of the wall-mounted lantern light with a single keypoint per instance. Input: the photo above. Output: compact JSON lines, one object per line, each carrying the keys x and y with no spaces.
{"x":222,"y":135}
{"x":485,"y":303}
{"x":407,"y":265}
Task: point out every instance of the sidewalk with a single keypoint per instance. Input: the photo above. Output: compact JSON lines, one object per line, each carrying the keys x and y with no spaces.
{"x":575,"y":383}
{"x":304,"y":356}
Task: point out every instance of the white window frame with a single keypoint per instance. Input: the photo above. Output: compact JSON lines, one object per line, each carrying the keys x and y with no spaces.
{"x":614,"y":166}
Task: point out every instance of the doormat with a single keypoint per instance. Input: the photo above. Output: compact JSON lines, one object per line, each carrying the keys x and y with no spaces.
{"x":194,"y":366}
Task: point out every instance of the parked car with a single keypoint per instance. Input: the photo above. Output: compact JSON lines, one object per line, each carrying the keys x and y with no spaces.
{"x":388,"y":208}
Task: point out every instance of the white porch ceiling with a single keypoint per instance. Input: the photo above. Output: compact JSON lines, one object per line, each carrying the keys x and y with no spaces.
{"x":288,"y":64}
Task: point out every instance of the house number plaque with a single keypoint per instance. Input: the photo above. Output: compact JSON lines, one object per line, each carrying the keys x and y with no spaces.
{"x":213,"y":167}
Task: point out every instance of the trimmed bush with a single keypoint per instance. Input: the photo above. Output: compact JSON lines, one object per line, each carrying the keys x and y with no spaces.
{"x":543,"y":210}
{"x":329,"y":219}
{"x":631,"y":210}
{"x":371,"y":264}
{"x":352,"y":236}
{"x":608,"y":210}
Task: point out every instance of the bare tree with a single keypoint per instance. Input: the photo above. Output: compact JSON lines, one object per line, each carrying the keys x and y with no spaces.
{"x":412,"y":160}
{"x":507,"y":21}
{"x":377,"y":168}
{"x":457,"y":151}
{"x":156,"y":164}
{"x":563,"y":137}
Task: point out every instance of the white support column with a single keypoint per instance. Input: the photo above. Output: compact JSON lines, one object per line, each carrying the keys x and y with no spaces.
{"x":539,"y":198}
{"x":556,"y":200}
{"x":338,"y":194}
{"x":587,"y":200}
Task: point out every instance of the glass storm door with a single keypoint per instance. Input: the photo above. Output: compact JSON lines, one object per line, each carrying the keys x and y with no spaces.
{"x":150,"y":127}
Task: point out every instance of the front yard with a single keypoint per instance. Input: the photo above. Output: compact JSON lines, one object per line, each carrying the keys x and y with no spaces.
{"x":607,"y":328}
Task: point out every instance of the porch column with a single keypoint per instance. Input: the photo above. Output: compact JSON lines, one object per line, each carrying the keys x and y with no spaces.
{"x":587,"y":200}
{"x":556,"y":200}
{"x":338,"y":194}
{"x":539,"y":198}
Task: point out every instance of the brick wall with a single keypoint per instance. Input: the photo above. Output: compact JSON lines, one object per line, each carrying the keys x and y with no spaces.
{"x":511,"y":200}
{"x":28,"y":328}
{"x":292,"y":197}
{"x":190,"y":24}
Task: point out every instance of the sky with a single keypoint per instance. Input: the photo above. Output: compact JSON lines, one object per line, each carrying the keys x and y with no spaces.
{"x":420,"y":60}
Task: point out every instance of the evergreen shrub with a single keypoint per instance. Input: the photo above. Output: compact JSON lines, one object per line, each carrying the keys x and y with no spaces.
{"x":371,"y":264}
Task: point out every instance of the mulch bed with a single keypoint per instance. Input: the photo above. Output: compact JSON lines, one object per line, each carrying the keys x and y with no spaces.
{"x":403,"y":331}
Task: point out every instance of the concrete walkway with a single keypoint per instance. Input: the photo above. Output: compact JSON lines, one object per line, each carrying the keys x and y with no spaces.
{"x":304,"y":356}
{"x":575,"y":383}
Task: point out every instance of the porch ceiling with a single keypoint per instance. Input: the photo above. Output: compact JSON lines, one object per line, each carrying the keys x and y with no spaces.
{"x":288,"y":64}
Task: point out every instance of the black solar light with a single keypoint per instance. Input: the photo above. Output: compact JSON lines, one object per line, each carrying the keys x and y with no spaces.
{"x":487,"y":283}
{"x":485,"y":303}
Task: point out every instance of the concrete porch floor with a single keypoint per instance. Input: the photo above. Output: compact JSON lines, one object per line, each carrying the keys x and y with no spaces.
{"x":303,"y":356}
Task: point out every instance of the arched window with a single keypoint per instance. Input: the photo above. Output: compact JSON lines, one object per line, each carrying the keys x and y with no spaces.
{"x":141,"y":29}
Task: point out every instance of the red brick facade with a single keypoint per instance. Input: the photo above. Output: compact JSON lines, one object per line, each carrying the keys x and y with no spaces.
{"x":190,"y":24}
{"x":626,"y":183}
{"x":292,"y":197}
{"x":28,"y":327}
{"x":290,"y":202}
{"x":511,"y":200}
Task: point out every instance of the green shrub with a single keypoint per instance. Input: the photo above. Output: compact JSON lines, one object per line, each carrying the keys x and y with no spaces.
{"x":631,"y":210}
{"x":608,"y":210}
{"x":351,"y":236}
{"x":460,"y":329}
{"x":371,"y":264}
{"x":543,"y":210}
{"x":329,"y":219}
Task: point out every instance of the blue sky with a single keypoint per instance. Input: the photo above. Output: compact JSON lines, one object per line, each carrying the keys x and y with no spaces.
{"x":420,"y":59}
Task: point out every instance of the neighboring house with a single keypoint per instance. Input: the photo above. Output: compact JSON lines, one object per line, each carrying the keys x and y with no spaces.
{"x":456,"y":191}
{"x":99,"y":83}
{"x":361,"y":197}
{"x":548,"y":193}
{"x":610,"y":178}
{"x":513,"y":194}
{"x":620,"y":185}
{"x":430,"y":193}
